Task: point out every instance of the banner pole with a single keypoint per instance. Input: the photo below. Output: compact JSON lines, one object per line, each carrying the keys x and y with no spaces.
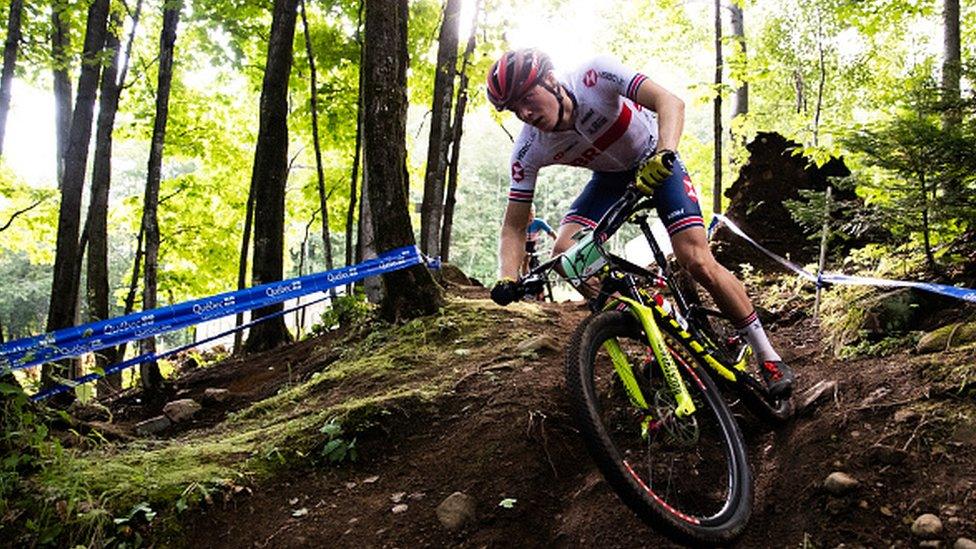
{"x":823,"y":253}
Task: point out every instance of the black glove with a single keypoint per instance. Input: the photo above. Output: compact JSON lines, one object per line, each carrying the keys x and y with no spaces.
{"x":505,"y":291}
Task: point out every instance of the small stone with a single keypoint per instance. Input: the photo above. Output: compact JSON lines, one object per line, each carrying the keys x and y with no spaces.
{"x":371,"y":480}
{"x":863,"y":504}
{"x":417,"y":496}
{"x":400,"y":508}
{"x":398,"y":497}
{"x":885,"y":455}
{"x":821,"y":391}
{"x":152,"y":425}
{"x":964,"y":543}
{"x":181,"y":410}
{"x":886,"y":511}
{"x":838,"y":483}
{"x":927,"y":526}
{"x":298,"y":513}
{"x":456,"y":511}
{"x":353,"y":520}
{"x":905,"y":415}
{"x":350,"y":485}
{"x":539,"y":344}
{"x":930,"y":544}
{"x":213,"y":394}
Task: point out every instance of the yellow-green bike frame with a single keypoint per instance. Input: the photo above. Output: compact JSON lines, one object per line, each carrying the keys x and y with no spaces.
{"x":649,"y":317}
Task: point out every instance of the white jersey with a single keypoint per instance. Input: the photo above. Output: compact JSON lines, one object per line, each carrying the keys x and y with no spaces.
{"x":612,"y":132}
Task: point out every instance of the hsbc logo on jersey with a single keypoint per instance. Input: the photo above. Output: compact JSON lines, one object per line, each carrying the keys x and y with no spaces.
{"x":690,"y":189}
{"x":590,"y":78}
{"x":518,"y":173}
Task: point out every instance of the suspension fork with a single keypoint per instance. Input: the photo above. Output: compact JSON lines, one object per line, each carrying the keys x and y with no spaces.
{"x":655,"y":338}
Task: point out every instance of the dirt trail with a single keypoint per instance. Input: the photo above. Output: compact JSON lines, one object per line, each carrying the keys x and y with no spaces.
{"x":505,"y":432}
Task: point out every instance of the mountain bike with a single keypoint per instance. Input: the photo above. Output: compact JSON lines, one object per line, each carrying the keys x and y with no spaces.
{"x":533,"y":263}
{"x":648,"y":374}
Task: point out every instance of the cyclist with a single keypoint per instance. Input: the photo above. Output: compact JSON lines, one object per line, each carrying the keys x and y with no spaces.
{"x":536,"y":227}
{"x":625,"y":128}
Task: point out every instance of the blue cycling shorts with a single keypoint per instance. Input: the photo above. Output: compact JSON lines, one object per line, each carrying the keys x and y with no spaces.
{"x":676,"y":200}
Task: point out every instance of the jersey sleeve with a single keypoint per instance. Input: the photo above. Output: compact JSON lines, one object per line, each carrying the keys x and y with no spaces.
{"x":608,"y":73}
{"x":524,"y":170}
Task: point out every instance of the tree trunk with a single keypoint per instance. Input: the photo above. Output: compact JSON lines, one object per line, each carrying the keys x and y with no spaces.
{"x":60,"y":42}
{"x":432,"y":208}
{"x":149,"y":372}
{"x":97,"y":226}
{"x":130,"y":296}
{"x":98,"y":287}
{"x":457,"y":131}
{"x":926,"y":229}
{"x":741,"y":105}
{"x":64,"y":287}
{"x":350,"y":213}
{"x":242,"y":263}
{"x":9,"y":63}
{"x":717,"y":113}
{"x":313,"y":100}
{"x":409,"y":292}
{"x":823,"y":80}
{"x":951,"y":66}
{"x":270,"y":174}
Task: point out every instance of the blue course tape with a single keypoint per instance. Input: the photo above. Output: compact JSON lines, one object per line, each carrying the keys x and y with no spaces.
{"x":151,"y":357}
{"x":91,"y":337}
{"x":823,"y":278}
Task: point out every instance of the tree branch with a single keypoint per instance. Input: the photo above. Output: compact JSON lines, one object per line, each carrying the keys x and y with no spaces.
{"x":19,"y":212}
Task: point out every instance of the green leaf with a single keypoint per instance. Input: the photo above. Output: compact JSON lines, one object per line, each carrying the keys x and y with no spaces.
{"x":507,"y":503}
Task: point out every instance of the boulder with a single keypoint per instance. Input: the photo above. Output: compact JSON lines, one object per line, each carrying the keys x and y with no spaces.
{"x":181,"y":410}
{"x":456,"y":511}
{"x":947,"y":337}
{"x":213,"y":395}
{"x":152,"y":425}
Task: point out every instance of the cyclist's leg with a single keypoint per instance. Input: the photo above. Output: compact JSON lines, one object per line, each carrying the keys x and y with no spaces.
{"x":677,"y":204}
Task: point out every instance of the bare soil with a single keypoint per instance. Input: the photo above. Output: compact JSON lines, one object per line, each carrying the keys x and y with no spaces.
{"x":506,"y":432}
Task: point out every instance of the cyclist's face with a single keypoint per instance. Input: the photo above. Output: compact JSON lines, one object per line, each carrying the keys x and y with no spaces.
{"x":538,"y":108}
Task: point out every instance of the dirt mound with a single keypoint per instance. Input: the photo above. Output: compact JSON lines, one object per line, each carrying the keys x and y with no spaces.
{"x":503,"y":436}
{"x":772,"y":176}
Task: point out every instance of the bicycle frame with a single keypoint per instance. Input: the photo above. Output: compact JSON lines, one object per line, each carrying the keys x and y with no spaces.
{"x":588,"y":258}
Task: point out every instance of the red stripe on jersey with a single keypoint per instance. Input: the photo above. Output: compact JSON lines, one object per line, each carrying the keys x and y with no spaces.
{"x":616,"y":131}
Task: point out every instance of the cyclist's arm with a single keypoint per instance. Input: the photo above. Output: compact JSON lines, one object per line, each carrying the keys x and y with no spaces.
{"x":511,"y":248}
{"x":670,"y":111}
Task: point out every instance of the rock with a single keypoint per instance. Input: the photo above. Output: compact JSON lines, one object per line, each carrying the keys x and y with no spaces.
{"x":213,"y":394}
{"x":456,"y":511}
{"x":838,"y":483}
{"x":180,"y":410}
{"x":927,"y":526}
{"x":538,"y":344}
{"x":930,"y":544}
{"x":152,"y":426}
{"x":816,"y":393}
{"x":90,"y":411}
{"x":905,"y":415}
{"x":452,"y":274}
{"x":400,"y":508}
{"x":947,"y":337}
{"x":964,"y":543}
{"x":884,"y":455}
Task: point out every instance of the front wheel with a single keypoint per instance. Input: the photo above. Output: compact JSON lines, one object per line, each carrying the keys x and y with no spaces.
{"x":688,"y":477}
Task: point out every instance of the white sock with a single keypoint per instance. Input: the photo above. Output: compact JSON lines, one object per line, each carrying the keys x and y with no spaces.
{"x":751,"y":329}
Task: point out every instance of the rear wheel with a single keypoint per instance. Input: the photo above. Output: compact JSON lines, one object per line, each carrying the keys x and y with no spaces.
{"x":687,"y":477}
